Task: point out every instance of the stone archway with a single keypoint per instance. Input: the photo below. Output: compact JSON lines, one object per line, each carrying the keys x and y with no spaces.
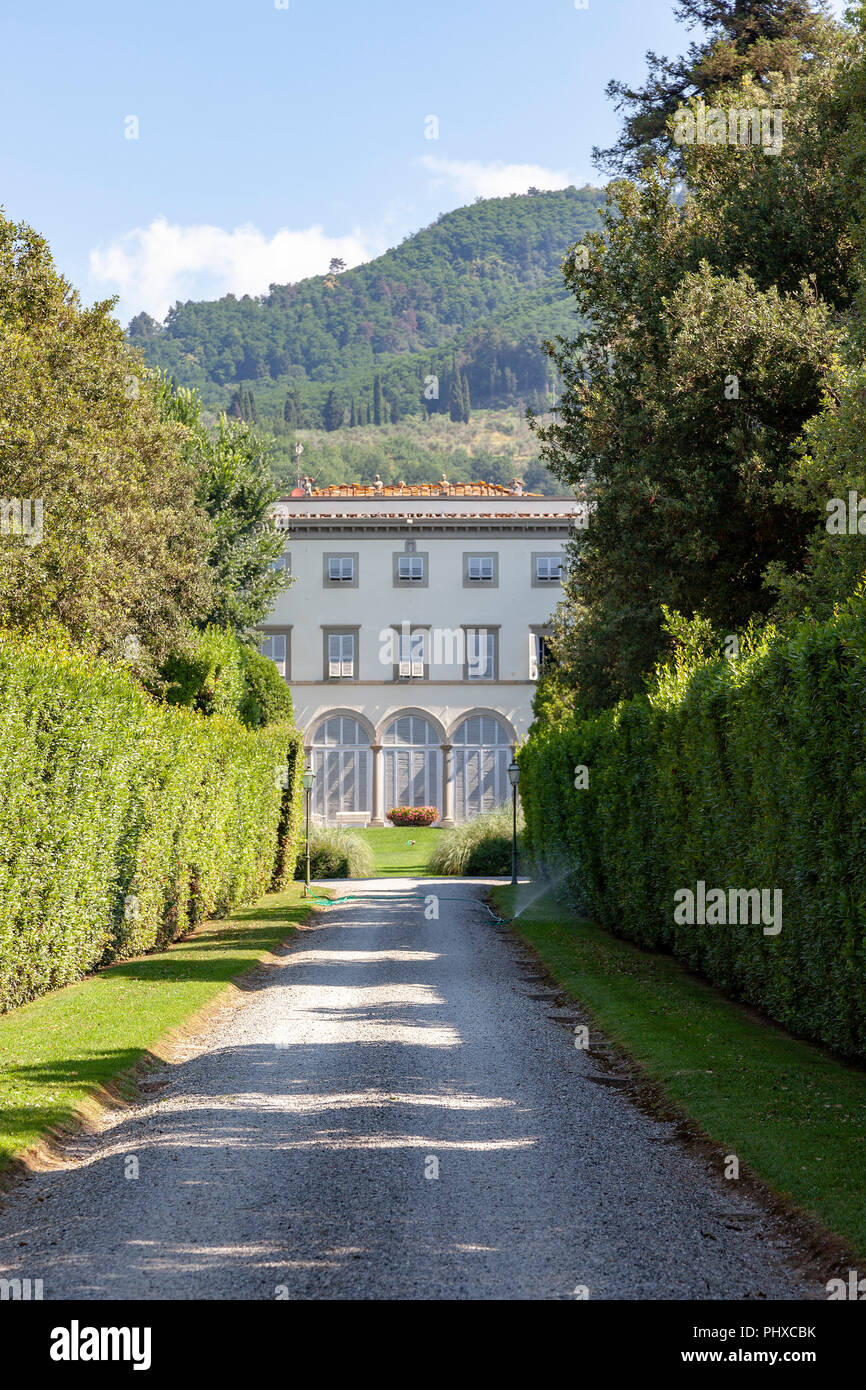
{"x":482,"y":743}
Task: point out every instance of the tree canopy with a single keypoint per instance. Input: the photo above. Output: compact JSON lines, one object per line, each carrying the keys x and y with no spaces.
{"x":753,"y":40}
{"x":127,"y":521}
{"x":715,"y":322}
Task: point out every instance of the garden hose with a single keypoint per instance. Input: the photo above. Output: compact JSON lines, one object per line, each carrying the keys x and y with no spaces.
{"x":367,"y":897}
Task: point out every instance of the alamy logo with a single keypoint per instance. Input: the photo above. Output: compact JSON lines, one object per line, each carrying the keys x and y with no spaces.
{"x":437,"y":647}
{"x":735,"y":907}
{"x":22,"y":516}
{"x":77,"y":1343}
{"x":737,"y":126}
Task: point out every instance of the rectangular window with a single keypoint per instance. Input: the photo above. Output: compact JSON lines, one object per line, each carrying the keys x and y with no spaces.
{"x":480,"y":655}
{"x":539,"y":655}
{"x":548,"y":569}
{"x":411,"y":655}
{"x":410,"y":569}
{"x":274,"y":648}
{"x":479,"y":568}
{"x":341,"y":655}
{"x":341,"y":569}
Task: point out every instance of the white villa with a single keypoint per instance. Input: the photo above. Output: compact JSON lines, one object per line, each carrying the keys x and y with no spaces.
{"x":412,"y":638}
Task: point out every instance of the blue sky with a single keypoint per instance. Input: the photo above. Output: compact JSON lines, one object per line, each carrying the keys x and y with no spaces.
{"x":273,"y":134}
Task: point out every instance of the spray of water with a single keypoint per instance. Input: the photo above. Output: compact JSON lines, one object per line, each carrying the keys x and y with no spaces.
{"x":529,"y":893}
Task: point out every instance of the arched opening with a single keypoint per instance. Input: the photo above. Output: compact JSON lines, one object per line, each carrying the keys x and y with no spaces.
{"x":482,"y":752}
{"x":340,"y":758}
{"x":411,"y":750}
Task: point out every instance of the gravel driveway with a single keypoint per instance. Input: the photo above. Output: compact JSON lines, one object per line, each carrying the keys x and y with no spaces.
{"x":396,"y":1110}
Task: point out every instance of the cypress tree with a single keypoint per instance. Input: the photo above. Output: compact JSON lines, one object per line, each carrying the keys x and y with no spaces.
{"x":378,"y":403}
{"x":455,"y":399}
{"x":333,"y":412}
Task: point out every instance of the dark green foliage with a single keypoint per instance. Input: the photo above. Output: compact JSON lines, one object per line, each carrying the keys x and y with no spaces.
{"x":291,"y":819}
{"x":482,"y":281}
{"x":741,"y":773}
{"x":333,"y":415}
{"x":243,"y":405}
{"x":335,"y":853}
{"x":124,"y":822}
{"x":467,"y":398}
{"x":713,"y":324}
{"x":267,"y":698}
{"x":456,"y":408}
{"x":490,"y":857}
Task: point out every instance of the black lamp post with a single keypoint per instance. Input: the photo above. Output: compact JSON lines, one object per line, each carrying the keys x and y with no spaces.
{"x":309,"y":779}
{"x":514,"y":778}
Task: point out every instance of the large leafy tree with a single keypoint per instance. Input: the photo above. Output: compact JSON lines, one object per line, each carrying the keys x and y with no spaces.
{"x":121,"y":561}
{"x":830,"y":467}
{"x":235,"y":490}
{"x":679,"y":409}
{"x":713,"y":324}
{"x":753,"y":40}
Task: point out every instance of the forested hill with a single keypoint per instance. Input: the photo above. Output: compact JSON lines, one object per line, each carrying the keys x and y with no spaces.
{"x":467,"y":300}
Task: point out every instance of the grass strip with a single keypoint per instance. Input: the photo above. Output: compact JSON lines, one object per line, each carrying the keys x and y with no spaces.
{"x":395,"y":855}
{"x":56,"y":1052}
{"x":791,"y":1111}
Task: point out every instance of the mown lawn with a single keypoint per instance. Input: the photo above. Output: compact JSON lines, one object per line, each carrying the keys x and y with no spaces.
{"x":56,"y":1052}
{"x":791,"y":1111}
{"x":399,"y":851}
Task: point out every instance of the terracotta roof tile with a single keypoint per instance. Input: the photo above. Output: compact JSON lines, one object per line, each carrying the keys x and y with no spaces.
{"x":441,"y":489}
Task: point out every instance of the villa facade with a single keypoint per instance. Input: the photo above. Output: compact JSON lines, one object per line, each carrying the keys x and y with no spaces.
{"x":412,"y":637}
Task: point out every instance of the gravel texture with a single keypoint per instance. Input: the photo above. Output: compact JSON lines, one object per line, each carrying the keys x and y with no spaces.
{"x":289,"y":1149}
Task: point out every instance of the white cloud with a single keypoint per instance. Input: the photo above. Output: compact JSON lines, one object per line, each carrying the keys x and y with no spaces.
{"x":471,"y":178}
{"x":152,"y":267}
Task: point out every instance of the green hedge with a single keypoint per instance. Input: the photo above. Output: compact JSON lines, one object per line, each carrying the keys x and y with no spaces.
{"x":744,"y":774}
{"x":123,"y":821}
{"x":219,"y":674}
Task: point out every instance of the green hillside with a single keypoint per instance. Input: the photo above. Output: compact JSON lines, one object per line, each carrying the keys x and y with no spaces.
{"x":494,"y":445}
{"x":466,"y":301}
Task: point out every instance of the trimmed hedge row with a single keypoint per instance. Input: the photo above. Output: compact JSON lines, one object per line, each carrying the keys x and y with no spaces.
{"x":741,"y":774}
{"x":123,"y":821}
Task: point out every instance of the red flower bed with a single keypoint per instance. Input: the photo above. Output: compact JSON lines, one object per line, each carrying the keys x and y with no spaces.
{"x":413,"y":815}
